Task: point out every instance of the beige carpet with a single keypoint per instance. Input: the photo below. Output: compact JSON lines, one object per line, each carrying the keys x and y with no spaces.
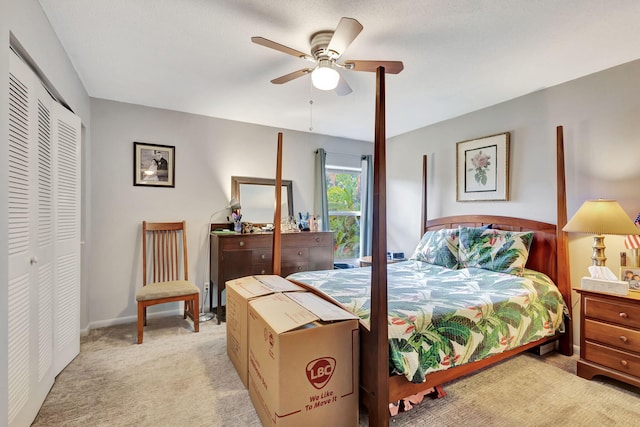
{"x":178,"y":378}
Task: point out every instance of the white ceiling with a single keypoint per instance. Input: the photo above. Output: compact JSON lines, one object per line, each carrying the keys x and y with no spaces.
{"x":459,"y":56}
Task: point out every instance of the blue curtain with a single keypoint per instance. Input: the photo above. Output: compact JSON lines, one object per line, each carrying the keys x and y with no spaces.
{"x":366,"y":220}
{"x":320,"y":203}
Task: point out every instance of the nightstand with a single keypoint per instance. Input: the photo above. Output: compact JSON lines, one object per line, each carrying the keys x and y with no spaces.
{"x":610,"y":336}
{"x":365,"y":261}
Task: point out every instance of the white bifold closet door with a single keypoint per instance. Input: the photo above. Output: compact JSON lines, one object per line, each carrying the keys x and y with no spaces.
{"x":44,"y":241}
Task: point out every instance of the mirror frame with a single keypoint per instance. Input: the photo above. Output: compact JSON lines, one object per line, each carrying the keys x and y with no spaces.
{"x":236,"y":181}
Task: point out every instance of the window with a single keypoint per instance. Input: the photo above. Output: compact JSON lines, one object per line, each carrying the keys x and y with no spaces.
{"x":344,"y":199}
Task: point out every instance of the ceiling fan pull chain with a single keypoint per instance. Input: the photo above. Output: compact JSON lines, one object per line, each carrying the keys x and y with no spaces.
{"x":311,"y":107}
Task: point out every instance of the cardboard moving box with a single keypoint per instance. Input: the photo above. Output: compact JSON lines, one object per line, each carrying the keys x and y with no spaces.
{"x":303,"y":361}
{"x":239,"y":293}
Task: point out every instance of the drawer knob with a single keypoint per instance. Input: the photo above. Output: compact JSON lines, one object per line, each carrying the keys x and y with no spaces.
{"x":241,"y":243}
{"x":317,"y":240}
{"x":300,"y":253}
{"x":262,"y":256}
{"x":623,"y":338}
{"x":624,"y":363}
{"x":299,"y":268}
{"x":623,"y":315}
{"x":262,"y":271}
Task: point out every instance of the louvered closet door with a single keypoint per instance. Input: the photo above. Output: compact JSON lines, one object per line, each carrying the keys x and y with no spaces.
{"x":40,"y":280}
{"x":66,"y":153}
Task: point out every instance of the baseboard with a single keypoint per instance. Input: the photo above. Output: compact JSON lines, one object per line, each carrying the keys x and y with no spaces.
{"x":132,"y":319}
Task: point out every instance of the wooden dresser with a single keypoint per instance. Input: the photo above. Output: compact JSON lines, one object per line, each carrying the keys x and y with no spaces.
{"x":610,"y":336}
{"x":236,"y":255}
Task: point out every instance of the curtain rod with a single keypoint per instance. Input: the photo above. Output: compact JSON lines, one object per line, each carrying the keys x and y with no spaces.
{"x":343,"y":154}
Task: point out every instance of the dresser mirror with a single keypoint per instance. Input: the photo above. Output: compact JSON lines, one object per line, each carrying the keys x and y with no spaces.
{"x":257,"y":198}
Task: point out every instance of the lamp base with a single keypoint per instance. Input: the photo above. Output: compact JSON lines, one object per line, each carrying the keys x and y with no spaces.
{"x":205,"y":317}
{"x":598,"y":258}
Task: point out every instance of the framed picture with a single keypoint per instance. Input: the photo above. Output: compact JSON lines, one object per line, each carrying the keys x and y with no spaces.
{"x":631,"y":275}
{"x":482,"y":169}
{"x":154,"y":165}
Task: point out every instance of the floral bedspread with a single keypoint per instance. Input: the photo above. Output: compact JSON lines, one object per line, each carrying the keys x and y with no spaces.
{"x":441,"y":318}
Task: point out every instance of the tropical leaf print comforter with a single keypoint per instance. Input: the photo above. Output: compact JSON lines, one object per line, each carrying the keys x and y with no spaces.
{"x":441,"y":318}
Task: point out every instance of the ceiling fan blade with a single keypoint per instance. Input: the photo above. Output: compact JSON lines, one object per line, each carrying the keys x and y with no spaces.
{"x":390,"y":67}
{"x":291,"y":76}
{"x":345,"y":33}
{"x":282,"y":48}
{"x":343,"y":87}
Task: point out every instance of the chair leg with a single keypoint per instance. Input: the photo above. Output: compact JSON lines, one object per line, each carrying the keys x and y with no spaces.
{"x":196,"y":313}
{"x":141,"y":321}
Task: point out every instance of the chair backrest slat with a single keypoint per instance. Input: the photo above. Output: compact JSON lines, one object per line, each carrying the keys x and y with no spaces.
{"x":166,"y":251}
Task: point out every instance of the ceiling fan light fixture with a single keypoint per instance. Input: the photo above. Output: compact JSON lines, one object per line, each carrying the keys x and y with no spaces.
{"x":324,"y":77}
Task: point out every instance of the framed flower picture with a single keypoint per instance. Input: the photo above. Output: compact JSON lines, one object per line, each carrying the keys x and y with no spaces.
{"x":482,"y":168}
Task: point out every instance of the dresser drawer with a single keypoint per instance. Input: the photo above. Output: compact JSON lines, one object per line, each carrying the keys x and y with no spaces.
{"x":235,"y":264}
{"x":294,"y":254}
{"x":612,"y":311}
{"x":261,"y":256}
{"x":616,"y":336}
{"x":615,"y":359}
{"x":307,"y":239}
{"x":262,"y":269}
{"x":293,"y":267}
{"x":249,"y":241}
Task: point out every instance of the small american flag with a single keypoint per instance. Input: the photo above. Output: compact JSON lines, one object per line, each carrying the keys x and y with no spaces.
{"x":633,"y":242}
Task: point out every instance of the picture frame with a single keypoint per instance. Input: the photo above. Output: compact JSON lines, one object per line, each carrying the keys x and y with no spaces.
{"x":631,"y":275}
{"x":482,"y":168}
{"x":154,"y":165}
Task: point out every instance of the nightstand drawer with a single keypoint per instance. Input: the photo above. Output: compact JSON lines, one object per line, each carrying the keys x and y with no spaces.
{"x":615,"y":359}
{"x":617,"y":336}
{"x":610,"y":311}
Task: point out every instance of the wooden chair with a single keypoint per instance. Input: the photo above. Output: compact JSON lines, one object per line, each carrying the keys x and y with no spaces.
{"x":165,"y":273}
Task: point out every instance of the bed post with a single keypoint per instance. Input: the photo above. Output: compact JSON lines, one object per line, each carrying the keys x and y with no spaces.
{"x":276,"y":249}
{"x":379,"y":401}
{"x":423,"y":219}
{"x":563,"y":279}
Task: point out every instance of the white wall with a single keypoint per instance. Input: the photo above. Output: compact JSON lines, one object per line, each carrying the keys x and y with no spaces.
{"x":600,"y":114}
{"x":208,"y":152}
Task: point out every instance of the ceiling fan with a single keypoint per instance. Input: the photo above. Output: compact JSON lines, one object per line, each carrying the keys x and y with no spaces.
{"x":326,"y":48}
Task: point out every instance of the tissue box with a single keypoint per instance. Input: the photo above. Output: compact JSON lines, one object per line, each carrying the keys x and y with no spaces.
{"x":609,"y":286}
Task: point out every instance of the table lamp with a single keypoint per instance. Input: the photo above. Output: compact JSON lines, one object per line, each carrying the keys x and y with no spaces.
{"x":601,"y":217}
{"x":633,"y":242}
{"x":234,"y":205}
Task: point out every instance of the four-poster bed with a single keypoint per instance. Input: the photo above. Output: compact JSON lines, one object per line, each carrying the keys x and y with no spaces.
{"x":548,"y":255}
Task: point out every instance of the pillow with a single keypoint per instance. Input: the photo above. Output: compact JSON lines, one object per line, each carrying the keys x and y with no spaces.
{"x":496,"y":250}
{"x":439,"y":247}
